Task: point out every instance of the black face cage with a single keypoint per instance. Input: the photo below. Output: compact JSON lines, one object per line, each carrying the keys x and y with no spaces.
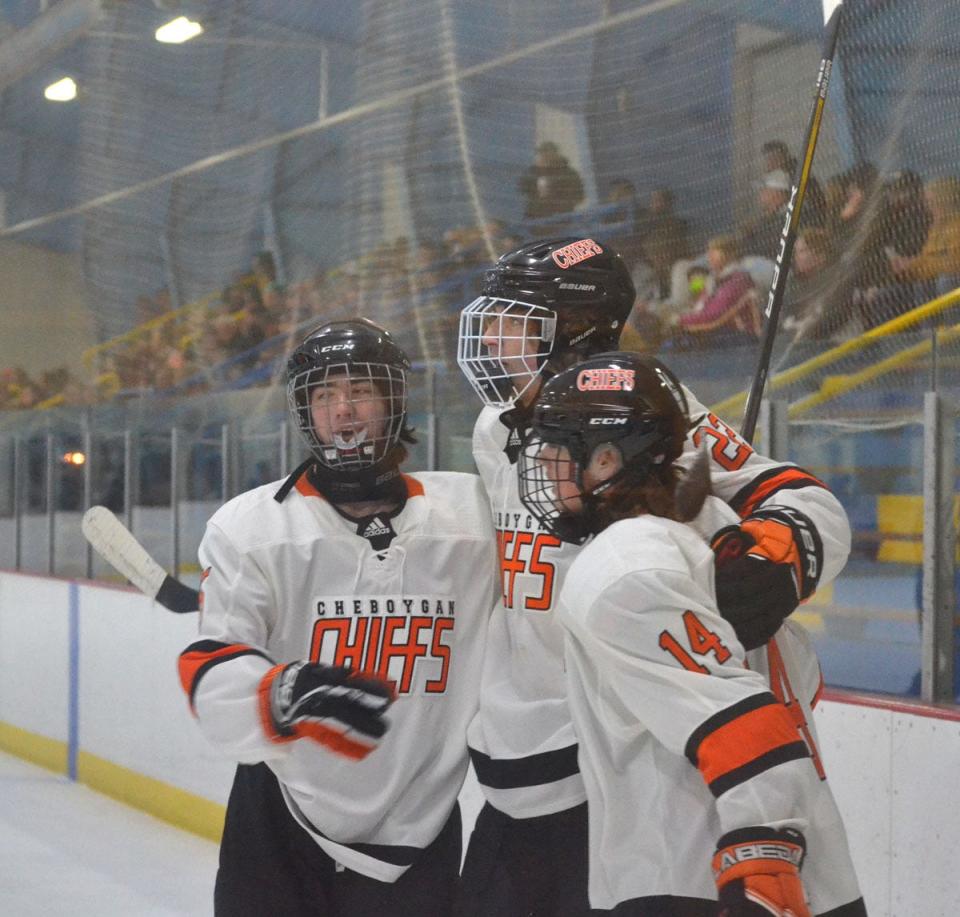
{"x":362,"y":411}
{"x":573,"y":517}
{"x":543,"y":466}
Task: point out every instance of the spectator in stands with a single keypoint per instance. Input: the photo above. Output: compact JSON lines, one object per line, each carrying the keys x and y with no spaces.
{"x":664,"y":236}
{"x":809,"y":307}
{"x":899,"y":230}
{"x":622,"y":224}
{"x":551,"y":185}
{"x":264,"y":271}
{"x":938,"y":263}
{"x":835,"y":197}
{"x":762,"y":237}
{"x":777,"y":155}
{"x":727,"y":313}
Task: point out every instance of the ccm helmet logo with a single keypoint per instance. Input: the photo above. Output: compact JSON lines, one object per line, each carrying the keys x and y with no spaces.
{"x":575,"y":252}
{"x":330,"y":347}
{"x":607,"y":421}
{"x":605,"y":379}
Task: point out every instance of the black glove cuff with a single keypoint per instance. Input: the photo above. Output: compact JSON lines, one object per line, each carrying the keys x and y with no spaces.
{"x":761,"y":834}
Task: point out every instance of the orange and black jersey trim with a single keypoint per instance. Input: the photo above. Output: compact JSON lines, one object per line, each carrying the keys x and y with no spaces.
{"x":744,"y":740}
{"x":200,"y":657}
{"x":771,"y":481}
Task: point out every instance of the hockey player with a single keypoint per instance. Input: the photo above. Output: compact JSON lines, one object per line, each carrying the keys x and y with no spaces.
{"x":544,"y":307}
{"x":350,"y":598}
{"x":659,"y":687}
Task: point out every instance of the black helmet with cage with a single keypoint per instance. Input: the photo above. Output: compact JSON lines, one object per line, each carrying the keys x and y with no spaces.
{"x":353,"y":376}
{"x":543,"y":307}
{"x":624,"y":400}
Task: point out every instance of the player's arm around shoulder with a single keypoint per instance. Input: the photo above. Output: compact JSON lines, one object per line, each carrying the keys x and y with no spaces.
{"x":753,"y":483}
{"x":640,"y":603}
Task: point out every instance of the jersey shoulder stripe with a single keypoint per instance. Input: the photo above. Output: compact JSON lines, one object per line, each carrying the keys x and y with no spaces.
{"x":198,"y":658}
{"x":531,"y":770}
{"x":744,"y":740}
{"x":764,"y":485}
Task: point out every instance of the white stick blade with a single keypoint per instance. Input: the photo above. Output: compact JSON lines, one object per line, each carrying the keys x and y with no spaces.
{"x":113,"y":541}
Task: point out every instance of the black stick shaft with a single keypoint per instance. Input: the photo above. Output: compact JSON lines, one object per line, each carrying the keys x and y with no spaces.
{"x":789,"y":235}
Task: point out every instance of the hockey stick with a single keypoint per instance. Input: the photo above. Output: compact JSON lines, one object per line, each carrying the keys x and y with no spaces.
{"x":115,"y":543}
{"x":789,"y":234}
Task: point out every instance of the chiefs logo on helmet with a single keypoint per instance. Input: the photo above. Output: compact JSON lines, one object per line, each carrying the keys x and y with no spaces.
{"x":605,"y":380}
{"x":576,"y":252}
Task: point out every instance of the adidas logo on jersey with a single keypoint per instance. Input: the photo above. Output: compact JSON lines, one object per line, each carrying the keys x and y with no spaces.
{"x":514,"y":438}
{"x":376,"y":528}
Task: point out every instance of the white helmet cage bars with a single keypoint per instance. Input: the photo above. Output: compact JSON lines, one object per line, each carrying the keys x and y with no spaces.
{"x":502,"y":345}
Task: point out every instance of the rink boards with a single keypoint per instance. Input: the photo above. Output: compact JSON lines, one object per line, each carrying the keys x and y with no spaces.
{"x":89,"y":687}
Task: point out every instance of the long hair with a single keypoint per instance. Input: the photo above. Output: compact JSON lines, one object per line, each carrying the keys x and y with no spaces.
{"x":670,"y":492}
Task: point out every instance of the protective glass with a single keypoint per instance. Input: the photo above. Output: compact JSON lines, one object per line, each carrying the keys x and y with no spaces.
{"x":349,"y":414}
{"x":502,"y":346}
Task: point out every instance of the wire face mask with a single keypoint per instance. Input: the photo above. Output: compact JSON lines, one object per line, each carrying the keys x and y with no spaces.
{"x":349,"y":414}
{"x":502,"y":346}
{"x":553,"y":491}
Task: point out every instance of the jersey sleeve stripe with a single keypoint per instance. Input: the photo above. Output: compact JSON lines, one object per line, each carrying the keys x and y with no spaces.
{"x":795,"y":751}
{"x":744,"y":740}
{"x":532,"y":770}
{"x":198,"y":658}
{"x":783,"y":477}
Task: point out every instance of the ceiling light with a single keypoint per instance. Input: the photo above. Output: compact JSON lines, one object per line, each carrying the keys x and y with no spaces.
{"x":178,"y":30}
{"x":64,"y":90}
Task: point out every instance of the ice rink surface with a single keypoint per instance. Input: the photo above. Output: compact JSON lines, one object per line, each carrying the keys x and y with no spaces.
{"x":67,"y":850}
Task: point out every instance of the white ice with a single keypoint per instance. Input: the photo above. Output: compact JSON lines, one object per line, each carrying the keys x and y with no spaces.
{"x":67,"y":850}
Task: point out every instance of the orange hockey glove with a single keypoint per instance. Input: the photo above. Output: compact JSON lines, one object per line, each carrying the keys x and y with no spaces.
{"x":758,"y":873}
{"x":764,"y":567}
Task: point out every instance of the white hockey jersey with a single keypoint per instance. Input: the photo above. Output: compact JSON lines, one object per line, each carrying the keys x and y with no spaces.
{"x":681,"y":740}
{"x":296,"y":580}
{"x":522,"y":741}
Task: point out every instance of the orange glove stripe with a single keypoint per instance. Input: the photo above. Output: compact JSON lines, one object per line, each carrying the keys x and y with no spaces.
{"x":774,"y":541}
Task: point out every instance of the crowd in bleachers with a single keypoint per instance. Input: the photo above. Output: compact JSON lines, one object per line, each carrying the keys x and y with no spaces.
{"x":870,"y":247}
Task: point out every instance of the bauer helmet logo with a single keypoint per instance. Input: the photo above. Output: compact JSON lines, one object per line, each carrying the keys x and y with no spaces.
{"x":606,"y":379}
{"x":575,"y":252}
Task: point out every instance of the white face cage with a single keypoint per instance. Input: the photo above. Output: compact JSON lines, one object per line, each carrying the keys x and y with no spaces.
{"x":349,"y":414}
{"x":503,"y":344}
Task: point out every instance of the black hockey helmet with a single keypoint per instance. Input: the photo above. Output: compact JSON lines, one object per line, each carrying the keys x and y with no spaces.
{"x":543,"y":307}
{"x":631,"y":402}
{"x":363,"y":373}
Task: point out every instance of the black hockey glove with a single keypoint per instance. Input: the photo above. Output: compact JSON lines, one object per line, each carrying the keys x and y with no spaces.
{"x":758,"y":873}
{"x":765,"y":566}
{"x":332,"y":705}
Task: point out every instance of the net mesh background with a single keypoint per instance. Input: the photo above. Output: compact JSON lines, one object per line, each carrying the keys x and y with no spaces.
{"x":172,"y":233}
